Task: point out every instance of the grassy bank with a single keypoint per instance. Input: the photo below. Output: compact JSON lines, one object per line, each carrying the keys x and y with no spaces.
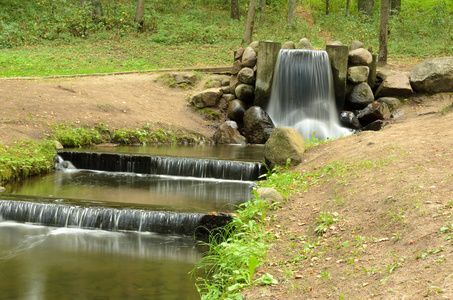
{"x":28,"y":158}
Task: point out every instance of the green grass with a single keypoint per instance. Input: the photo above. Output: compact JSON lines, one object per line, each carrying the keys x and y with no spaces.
{"x":72,"y":135}
{"x":43,"y":38}
{"x":25,"y":158}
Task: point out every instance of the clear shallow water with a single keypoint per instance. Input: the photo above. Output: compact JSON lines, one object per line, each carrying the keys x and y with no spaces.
{"x":228,"y":152}
{"x":183,"y":193}
{"x":38,"y":262}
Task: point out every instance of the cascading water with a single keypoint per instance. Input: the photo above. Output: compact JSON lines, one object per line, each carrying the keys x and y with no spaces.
{"x":302,"y":94}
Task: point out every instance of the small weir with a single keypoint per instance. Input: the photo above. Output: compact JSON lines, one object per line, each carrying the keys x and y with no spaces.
{"x":174,"y":166}
{"x":61,"y":215}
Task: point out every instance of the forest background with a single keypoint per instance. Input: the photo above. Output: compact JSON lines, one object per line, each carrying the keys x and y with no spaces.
{"x":51,"y":37}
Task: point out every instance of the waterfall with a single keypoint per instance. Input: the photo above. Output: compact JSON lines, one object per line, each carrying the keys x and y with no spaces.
{"x":302,"y":94}
{"x":105,"y":218}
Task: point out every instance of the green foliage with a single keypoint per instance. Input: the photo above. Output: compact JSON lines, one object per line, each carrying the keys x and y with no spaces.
{"x":26,"y":158}
{"x":50,"y":37}
{"x":208,"y":113}
{"x":234,"y":254}
{"x":73,"y":135}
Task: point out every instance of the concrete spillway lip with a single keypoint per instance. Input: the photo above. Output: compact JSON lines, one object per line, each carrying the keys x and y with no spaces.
{"x":165,"y":165}
{"x":114,"y":217}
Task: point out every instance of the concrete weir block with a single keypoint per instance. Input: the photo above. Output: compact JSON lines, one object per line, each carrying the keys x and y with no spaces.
{"x":267,"y":57}
{"x":338,"y":57}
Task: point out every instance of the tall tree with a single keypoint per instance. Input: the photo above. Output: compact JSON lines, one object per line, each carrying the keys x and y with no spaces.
{"x":395,"y":6}
{"x":327,"y":7}
{"x":235,"y":9}
{"x":291,"y":11}
{"x":247,"y":37}
{"x":262,"y":10}
{"x":365,"y":7}
{"x":347,"y":6}
{"x":383,"y":34}
{"x":97,"y":8}
{"x":140,"y":13}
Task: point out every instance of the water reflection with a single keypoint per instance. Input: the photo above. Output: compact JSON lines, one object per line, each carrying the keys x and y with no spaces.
{"x":39,"y":262}
{"x":229,"y":152}
{"x":196,"y":194}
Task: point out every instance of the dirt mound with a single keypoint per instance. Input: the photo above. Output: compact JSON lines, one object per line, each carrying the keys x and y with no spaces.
{"x":30,"y":107}
{"x":379,"y":224}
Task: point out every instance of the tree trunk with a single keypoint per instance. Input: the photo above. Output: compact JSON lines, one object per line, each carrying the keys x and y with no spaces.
{"x":139,"y":13}
{"x":247,"y":37}
{"x":262,"y":10}
{"x":97,"y":9}
{"x":235,"y":9}
{"x":291,"y":11}
{"x":395,"y":7}
{"x":382,"y":61}
{"x":327,"y":7}
{"x":347,"y":7}
{"x":365,"y":7}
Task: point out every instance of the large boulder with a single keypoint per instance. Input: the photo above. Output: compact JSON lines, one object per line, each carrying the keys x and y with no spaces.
{"x":283,"y":144}
{"x":356,"y":45}
{"x":269,"y":195}
{"x":236,"y":110}
{"x":360,"y":57}
{"x":305,"y":44}
{"x":258,"y":126}
{"x":249,"y":57}
{"x":361,"y":95}
{"x":358,"y":74}
{"x":433,"y":75}
{"x":206,"y":98}
{"x":228,"y":134}
{"x":392,"y":102}
{"x":246,"y":75}
{"x":348,"y":119}
{"x":236,"y":67}
{"x":289,"y":45}
{"x":245,"y":92}
{"x":373,"y":112}
{"x":395,"y":85}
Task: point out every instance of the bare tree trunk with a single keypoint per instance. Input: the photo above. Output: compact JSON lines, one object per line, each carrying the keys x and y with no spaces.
{"x":97,"y":8}
{"x":262,"y":10}
{"x":247,"y":37}
{"x":395,"y":6}
{"x":383,"y":34}
{"x":365,"y":7}
{"x":291,"y":11}
{"x":327,"y":7}
{"x":235,"y":9}
{"x":347,"y":6}
{"x":139,"y":13}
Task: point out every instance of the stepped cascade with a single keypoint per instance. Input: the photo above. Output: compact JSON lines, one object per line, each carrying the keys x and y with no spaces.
{"x":302,"y":94}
